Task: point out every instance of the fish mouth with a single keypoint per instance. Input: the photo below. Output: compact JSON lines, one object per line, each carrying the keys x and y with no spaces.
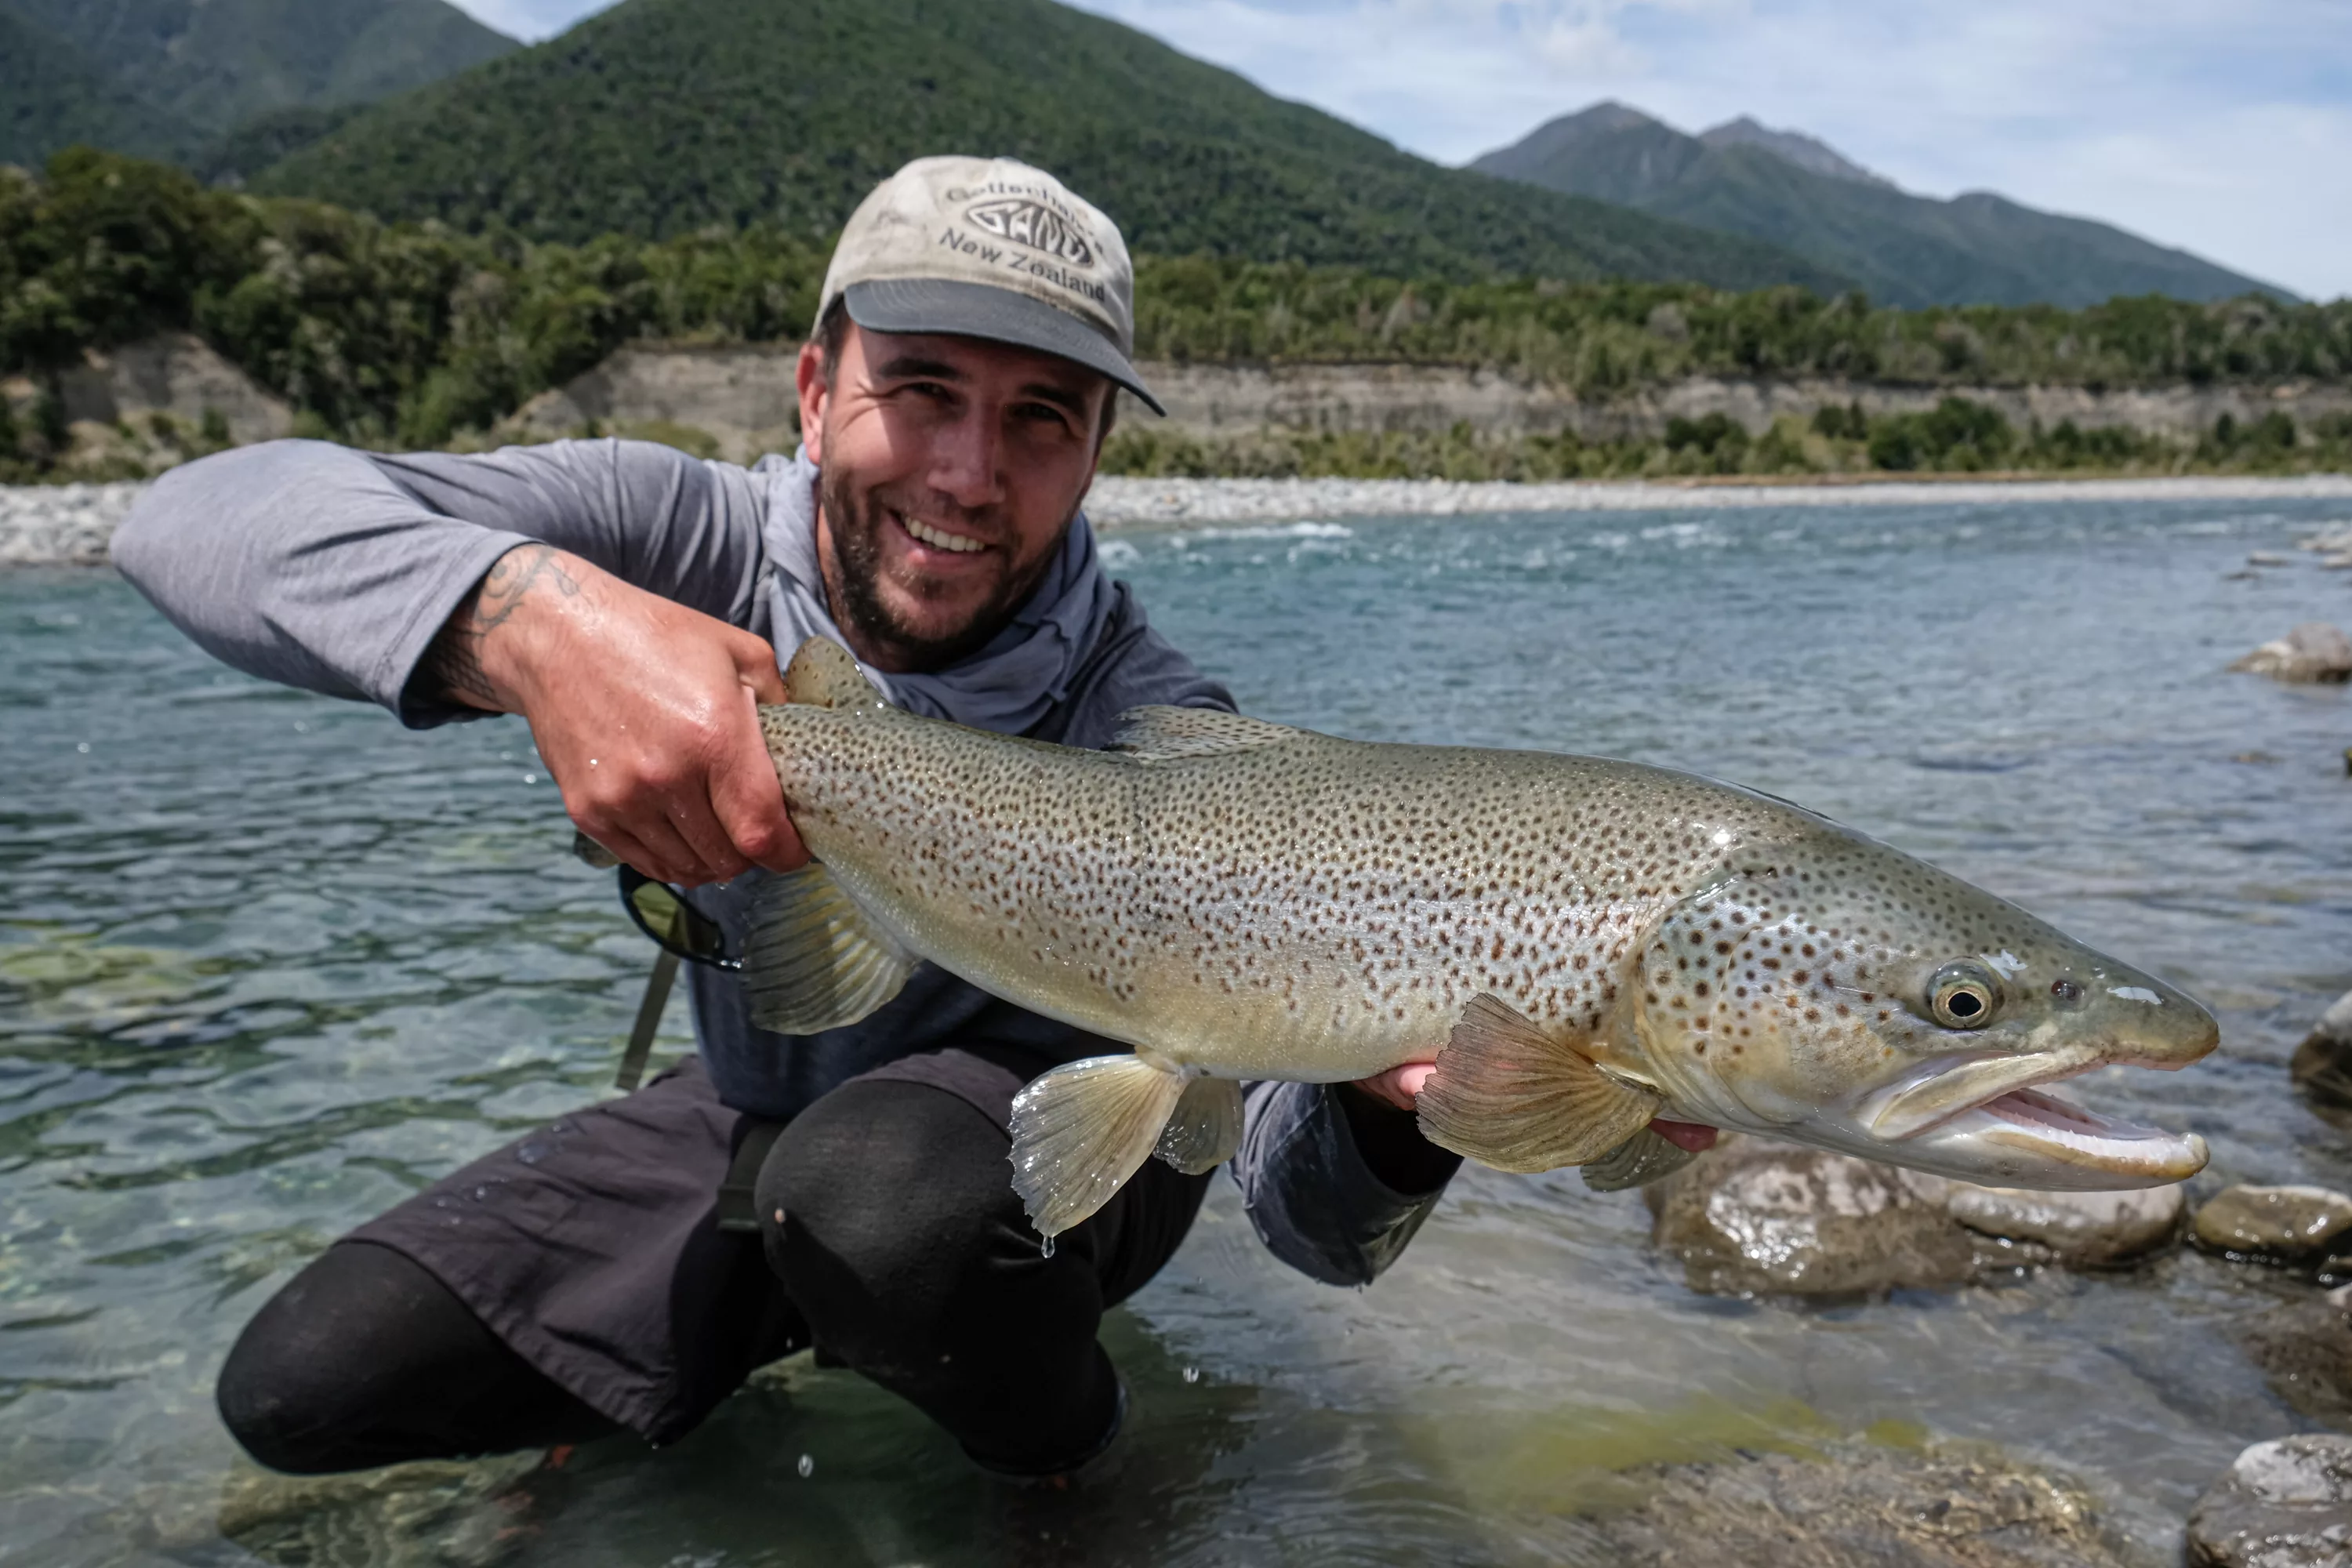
{"x":2003,"y":1114}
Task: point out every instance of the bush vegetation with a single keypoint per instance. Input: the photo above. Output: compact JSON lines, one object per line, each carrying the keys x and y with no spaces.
{"x":412,"y":335}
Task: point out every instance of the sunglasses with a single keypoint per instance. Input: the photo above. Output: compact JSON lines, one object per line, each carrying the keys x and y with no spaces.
{"x":663,"y":914}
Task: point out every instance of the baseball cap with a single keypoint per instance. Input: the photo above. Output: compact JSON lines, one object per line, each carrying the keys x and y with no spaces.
{"x":990,"y":248}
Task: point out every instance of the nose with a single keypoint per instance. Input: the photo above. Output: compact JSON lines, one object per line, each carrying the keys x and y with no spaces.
{"x":2161,"y":1026}
{"x":966,"y":458}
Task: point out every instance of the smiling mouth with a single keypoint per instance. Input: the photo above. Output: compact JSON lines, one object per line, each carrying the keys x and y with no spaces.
{"x":937,"y":538}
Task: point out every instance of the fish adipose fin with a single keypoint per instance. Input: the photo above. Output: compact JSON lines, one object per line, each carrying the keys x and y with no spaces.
{"x":1164,"y":734}
{"x":813,"y":959}
{"x":822,"y":674}
{"x":1205,"y":1128}
{"x":1636,"y":1163}
{"x":1082,"y":1130}
{"x":1508,"y":1096}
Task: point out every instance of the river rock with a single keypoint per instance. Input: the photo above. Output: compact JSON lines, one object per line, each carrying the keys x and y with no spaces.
{"x":2283,"y":1504}
{"x":1855,"y":1507}
{"x":2084,"y":1230}
{"x":1758,"y":1217}
{"x":2305,"y":1349}
{"x":2273,"y":1225}
{"x":2313,"y":651}
{"x":2322,"y":1066}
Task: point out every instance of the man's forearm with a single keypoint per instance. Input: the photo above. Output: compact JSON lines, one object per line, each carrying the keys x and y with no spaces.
{"x":453,"y":669}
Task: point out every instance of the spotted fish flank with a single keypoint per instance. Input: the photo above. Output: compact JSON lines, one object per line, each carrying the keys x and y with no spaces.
{"x":1590,"y":942}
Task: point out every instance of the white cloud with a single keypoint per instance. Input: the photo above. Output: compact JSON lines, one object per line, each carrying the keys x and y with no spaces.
{"x":2226,"y":130}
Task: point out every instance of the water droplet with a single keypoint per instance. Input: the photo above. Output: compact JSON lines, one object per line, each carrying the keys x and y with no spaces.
{"x":1191,"y":1374}
{"x":531,"y":778}
{"x":531,"y":1153}
{"x":1048,"y":1248}
{"x":592,"y":762}
{"x":83,"y":748}
{"x":807,"y":1466}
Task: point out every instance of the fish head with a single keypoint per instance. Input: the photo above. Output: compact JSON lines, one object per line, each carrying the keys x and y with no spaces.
{"x":1832,"y":990}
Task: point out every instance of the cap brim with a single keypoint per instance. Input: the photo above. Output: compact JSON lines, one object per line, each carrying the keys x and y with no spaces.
{"x":998,"y":315}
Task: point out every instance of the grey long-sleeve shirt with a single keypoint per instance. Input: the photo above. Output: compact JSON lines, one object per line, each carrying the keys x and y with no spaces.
{"x":330,"y":568}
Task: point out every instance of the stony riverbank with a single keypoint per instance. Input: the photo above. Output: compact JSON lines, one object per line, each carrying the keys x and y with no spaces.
{"x":68,"y":525}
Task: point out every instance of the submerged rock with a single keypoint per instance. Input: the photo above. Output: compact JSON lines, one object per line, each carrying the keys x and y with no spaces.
{"x":2283,"y":1504}
{"x":1756,"y":1217}
{"x":2313,"y":651}
{"x":2321,"y":1068}
{"x":2305,"y":1349}
{"x":2273,"y":1225}
{"x":1857,"y":1507}
{"x":2084,"y":1230}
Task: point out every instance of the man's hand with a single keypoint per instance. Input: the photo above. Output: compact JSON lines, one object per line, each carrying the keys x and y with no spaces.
{"x":1400,"y":1086}
{"x":644,"y":711}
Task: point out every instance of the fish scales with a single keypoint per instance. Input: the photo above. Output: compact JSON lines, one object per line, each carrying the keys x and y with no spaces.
{"x":1579,"y":942}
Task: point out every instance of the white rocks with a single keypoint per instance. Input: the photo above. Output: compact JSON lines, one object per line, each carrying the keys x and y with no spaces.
{"x":61,"y":525}
{"x":1123,"y":501}
{"x":2314,"y":652}
{"x":2085,"y":1230}
{"x":2276,"y":1225}
{"x":2283,"y":1504}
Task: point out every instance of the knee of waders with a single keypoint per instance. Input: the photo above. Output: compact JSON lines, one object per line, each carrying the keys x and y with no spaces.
{"x":888,"y":1208}
{"x":296,"y":1392}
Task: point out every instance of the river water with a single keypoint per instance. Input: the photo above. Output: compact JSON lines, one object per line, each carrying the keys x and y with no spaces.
{"x":267,"y":963}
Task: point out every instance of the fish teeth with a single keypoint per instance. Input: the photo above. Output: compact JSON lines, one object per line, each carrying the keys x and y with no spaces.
{"x":939,"y":540}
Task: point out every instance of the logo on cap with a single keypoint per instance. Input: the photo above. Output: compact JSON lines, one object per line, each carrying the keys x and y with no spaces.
{"x":1034,"y":224}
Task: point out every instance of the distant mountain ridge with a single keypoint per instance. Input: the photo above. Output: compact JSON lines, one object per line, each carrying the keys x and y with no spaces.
{"x":1796,"y":192}
{"x":660,"y":117}
{"x":163,"y":78}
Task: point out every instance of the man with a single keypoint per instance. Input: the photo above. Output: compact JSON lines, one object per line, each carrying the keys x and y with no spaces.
{"x":628,"y":1267}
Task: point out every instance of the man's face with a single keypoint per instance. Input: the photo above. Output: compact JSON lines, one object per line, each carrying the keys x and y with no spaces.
{"x":950,"y":468}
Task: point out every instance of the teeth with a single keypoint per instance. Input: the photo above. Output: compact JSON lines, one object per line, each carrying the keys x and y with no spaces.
{"x":937,"y":540}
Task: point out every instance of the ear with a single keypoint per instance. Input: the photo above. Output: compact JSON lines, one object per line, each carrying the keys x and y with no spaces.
{"x":815,"y":391}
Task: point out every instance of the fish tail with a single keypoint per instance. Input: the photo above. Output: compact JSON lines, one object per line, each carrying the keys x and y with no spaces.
{"x":1082,"y":1130}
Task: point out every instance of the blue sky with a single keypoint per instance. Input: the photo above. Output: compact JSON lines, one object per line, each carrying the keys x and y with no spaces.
{"x":2221,"y":126}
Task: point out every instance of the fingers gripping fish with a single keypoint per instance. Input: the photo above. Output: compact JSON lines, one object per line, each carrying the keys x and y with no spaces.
{"x":1585,"y":943}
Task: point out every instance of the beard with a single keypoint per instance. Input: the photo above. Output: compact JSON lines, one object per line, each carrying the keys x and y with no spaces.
{"x":856,"y":522}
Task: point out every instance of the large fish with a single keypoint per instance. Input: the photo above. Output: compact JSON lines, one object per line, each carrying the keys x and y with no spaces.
{"x":1591,"y":943}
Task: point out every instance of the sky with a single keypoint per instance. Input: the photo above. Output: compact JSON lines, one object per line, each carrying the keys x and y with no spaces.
{"x":2223,"y":127}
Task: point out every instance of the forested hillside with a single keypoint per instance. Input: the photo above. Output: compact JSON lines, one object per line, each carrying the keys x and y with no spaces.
{"x":662,"y":116}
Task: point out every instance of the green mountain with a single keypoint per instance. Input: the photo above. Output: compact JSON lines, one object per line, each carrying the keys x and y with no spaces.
{"x":160,"y":77}
{"x":1793,"y":191}
{"x":52,"y":97}
{"x":661,"y":117}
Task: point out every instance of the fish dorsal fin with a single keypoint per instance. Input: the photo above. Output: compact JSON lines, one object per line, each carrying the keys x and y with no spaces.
{"x":1636,"y":1163}
{"x":1507,"y":1095}
{"x":1162,"y":735}
{"x":823,"y":675}
{"x":813,"y":960}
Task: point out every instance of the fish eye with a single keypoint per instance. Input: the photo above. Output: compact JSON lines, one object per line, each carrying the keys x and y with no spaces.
{"x":1963,"y":996}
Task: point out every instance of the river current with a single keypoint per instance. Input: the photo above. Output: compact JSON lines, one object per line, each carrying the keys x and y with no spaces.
{"x":269,"y":964}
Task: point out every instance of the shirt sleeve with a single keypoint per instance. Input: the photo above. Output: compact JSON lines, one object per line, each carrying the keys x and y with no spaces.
{"x":331,"y":569}
{"x":1310,"y":1195}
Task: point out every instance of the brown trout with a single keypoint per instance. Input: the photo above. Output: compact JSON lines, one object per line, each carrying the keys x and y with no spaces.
{"x":1584,"y":944}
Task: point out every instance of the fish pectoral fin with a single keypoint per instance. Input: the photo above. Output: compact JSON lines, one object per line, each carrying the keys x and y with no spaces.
{"x":1205,"y":1129}
{"x":1636,"y":1163}
{"x":1162,"y":735}
{"x":1081,"y":1131}
{"x":822,"y":674}
{"x":813,"y":960}
{"x":1507,"y":1095}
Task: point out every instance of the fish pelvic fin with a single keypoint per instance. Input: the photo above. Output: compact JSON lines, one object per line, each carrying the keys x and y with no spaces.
{"x":1508,"y":1096}
{"x":822,"y":674}
{"x":1636,"y":1163}
{"x":1162,"y":735}
{"x":1205,"y":1128}
{"x":1081,"y":1131}
{"x":813,"y":960}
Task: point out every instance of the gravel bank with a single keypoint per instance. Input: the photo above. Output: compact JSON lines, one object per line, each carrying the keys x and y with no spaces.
{"x":68,"y":525}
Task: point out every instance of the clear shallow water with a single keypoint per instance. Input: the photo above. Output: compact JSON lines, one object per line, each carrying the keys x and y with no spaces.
{"x":268,"y":964}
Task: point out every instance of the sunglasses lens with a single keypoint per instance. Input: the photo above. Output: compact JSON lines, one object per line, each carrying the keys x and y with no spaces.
{"x":676,"y":925}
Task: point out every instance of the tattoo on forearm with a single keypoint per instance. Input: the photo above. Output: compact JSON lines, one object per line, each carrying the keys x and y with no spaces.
{"x":452,"y":667}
